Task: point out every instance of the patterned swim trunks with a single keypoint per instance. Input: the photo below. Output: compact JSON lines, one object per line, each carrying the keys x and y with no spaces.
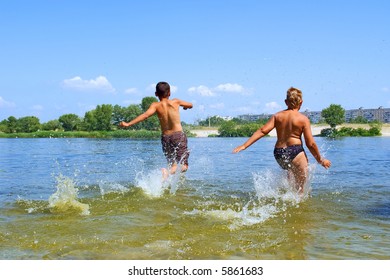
{"x":175,"y":148}
{"x":285,"y":156}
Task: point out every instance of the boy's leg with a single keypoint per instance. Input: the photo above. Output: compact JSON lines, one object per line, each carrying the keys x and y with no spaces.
{"x":165,"y":173}
{"x":184,"y":167}
{"x":172,"y":169}
{"x":181,"y":151}
{"x":299,"y":171}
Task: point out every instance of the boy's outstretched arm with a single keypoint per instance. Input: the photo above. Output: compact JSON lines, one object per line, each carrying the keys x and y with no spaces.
{"x":186,"y":105}
{"x":256,"y":136}
{"x":140,"y":118}
{"x":312,"y":146}
{"x":262,"y":131}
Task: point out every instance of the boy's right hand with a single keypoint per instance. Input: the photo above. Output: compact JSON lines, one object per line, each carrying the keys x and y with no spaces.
{"x":239,"y":149}
{"x":122,"y":124}
{"x":326,"y":163}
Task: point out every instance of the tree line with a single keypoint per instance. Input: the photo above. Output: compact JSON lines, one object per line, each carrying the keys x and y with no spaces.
{"x":104,"y":117}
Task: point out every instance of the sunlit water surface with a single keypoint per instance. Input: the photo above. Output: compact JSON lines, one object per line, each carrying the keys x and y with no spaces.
{"x":104,"y":199}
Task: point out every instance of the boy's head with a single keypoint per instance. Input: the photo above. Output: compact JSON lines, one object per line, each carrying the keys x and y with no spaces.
{"x":294,"y":98}
{"x":163,"y":90}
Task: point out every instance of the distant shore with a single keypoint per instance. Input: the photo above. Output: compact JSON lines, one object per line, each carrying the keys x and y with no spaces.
{"x":199,"y":132}
{"x":316,"y":130}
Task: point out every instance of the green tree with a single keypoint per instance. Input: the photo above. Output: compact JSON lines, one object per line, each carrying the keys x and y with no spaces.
{"x":28,"y":124}
{"x":103,"y":115}
{"x":70,"y":122}
{"x":131,"y":112}
{"x":333,"y":115}
{"x":212,"y":121}
{"x":3,"y":126}
{"x":52,"y":125}
{"x":247,"y":129}
{"x":228,"y":129}
{"x":9,"y":125}
{"x":99,"y":119}
{"x":147,"y":101}
{"x":89,"y":121}
{"x":118,"y":114}
{"x":359,"y":119}
{"x":152,"y":122}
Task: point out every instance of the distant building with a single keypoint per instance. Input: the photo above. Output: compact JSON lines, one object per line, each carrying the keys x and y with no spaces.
{"x":381,"y":114}
{"x":314,"y":116}
{"x":253,"y":118}
{"x":228,"y":118}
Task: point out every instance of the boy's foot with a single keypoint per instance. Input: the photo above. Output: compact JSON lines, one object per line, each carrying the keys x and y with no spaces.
{"x":184,"y":168}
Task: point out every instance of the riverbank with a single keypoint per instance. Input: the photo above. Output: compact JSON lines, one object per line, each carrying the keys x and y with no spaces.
{"x":316,"y":130}
{"x":140,"y":134}
{"x":135,"y":134}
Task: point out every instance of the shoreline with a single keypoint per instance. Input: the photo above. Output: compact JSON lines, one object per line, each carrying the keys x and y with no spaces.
{"x":145,"y":134}
{"x":316,"y":130}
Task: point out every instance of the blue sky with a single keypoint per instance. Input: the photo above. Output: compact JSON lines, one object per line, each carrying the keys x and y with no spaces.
{"x":227,"y":57}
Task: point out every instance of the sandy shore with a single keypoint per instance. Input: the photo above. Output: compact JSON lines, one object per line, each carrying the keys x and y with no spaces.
{"x":316,"y":130}
{"x":204,"y":132}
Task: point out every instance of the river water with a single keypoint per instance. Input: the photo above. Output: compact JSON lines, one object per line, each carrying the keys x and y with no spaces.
{"x":104,"y":199}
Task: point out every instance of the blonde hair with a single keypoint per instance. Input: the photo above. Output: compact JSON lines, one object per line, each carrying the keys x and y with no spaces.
{"x":294,"y":97}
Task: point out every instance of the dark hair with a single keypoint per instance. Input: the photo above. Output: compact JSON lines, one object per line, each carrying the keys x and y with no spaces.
{"x":163,"y":89}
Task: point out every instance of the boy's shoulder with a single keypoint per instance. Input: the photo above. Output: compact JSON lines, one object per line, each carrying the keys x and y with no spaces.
{"x":175,"y":100}
{"x":303,"y":117}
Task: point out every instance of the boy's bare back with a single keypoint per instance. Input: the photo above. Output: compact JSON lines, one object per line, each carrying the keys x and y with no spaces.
{"x":290,"y":125}
{"x":173,"y":140}
{"x":169,"y":115}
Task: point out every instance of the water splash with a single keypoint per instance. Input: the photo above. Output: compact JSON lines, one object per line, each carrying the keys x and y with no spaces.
{"x":151,"y":182}
{"x":273,"y":185}
{"x":65,"y":198}
{"x":154,"y":185}
{"x":274,"y":194}
{"x":111,"y":187}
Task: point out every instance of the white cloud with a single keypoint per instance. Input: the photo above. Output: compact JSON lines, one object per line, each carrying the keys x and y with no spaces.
{"x":385,"y":89}
{"x":202,"y":91}
{"x":6,"y":104}
{"x":131,"y":91}
{"x":230,"y":88}
{"x":272,"y":107}
{"x":99,"y":84}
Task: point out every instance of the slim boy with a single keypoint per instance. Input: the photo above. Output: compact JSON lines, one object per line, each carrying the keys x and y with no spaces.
{"x":290,"y":124}
{"x":173,"y":139}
